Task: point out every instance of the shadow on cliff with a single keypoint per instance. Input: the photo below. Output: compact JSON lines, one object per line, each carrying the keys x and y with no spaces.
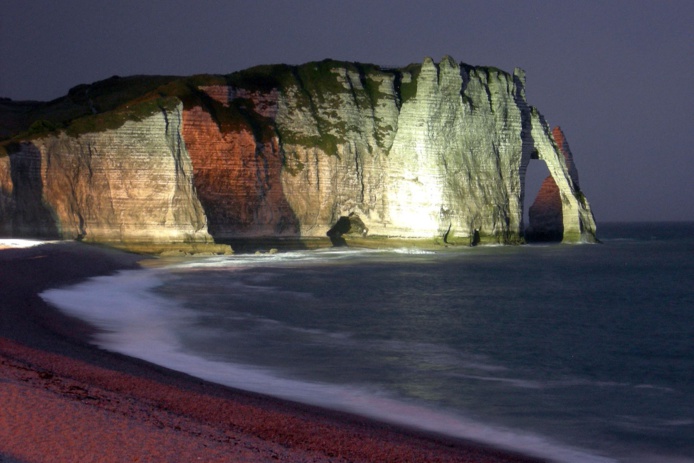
{"x":237,"y":164}
{"x":544,"y":223}
{"x":545,"y":215}
{"x":30,"y":215}
{"x":346,"y":225}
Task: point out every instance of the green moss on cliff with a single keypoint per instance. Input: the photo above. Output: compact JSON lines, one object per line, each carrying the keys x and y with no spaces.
{"x":111,"y":93}
{"x":108,"y":104}
{"x":313,"y":85}
{"x":581,"y":198}
{"x":103,"y":105}
{"x":292,"y":164}
{"x":318,"y":89}
{"x":263,"y":78}
{"x":322,"y":89}
{"x":408,"y":82}
{"x":111,"y":120}
{"x":319,"y":81}
{"x":316,"y":86}
{"x":326,"y":142}
{"x":239,"y":115}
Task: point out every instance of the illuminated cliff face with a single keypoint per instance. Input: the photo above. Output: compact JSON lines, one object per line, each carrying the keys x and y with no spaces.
{"x":133,"y":184}
{"x":435,"y":151}
{"x":458,"y":152}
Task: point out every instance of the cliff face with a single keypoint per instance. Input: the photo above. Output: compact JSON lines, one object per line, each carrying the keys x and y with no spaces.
{"x":458,"y":154}
{"x":238,"y":179}
{"x":431,"y":151}
{"x":132,"y":184}
{"x":546,"y":215}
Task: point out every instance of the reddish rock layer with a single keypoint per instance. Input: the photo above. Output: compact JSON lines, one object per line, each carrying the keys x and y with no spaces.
{"x":237,"y":179}
{"x":545,"y":215}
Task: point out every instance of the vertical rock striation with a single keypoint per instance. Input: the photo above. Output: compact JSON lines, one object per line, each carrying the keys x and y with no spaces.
{"x":457,"y":154}
{"x":129,"y":185}
{"x":432,"y":151}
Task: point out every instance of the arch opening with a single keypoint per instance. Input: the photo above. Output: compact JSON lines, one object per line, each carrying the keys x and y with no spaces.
{"x":535,"y":174}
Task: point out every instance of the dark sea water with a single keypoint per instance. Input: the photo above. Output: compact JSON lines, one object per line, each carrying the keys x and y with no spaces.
{"x":577,"y":353}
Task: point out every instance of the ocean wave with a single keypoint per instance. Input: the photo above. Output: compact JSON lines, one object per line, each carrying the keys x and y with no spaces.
{"x":322,"y":318}
{"x":22,"y":243}
{"x":142,"y":325}
{"x":412,"y":251}
{"x":281,"y":258}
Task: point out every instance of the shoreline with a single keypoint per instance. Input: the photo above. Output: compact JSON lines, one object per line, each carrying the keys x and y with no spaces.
{"x":65,"y":400}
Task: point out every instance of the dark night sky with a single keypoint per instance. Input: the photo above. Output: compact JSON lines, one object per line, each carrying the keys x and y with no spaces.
{"x":615,"y":75}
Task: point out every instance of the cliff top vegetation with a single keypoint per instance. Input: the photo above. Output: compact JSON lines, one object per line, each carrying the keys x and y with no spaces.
{"x":109,"y":103}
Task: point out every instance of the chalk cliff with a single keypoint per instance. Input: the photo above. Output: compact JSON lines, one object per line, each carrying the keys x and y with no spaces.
{"x":546,"y":215}
{"x":132,"y":184}
{"x":436,"y":151}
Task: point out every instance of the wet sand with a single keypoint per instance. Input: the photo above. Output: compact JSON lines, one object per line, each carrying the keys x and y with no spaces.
{"x":63,"y":400}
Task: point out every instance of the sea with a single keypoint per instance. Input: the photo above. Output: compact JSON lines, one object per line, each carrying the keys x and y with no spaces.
{"x":574,"y":353}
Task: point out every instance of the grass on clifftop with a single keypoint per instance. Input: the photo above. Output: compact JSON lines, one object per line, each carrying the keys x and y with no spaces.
{"x":408,"y":90}
{"x":108,"y":104}
{"x":88,"y":107}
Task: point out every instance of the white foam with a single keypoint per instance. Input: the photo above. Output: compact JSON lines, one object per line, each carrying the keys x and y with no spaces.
{"x":21,"y":243}
{"x":141,"y":324}
{"x":412,"y":251}
{"x":294,"y":257}
{"x":244,"y":260}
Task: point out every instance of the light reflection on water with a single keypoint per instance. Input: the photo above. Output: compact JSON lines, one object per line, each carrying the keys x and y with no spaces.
{"x":590,"y":346}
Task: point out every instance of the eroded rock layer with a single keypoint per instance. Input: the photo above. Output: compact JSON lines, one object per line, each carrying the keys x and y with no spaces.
{"x":432,"y":151}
